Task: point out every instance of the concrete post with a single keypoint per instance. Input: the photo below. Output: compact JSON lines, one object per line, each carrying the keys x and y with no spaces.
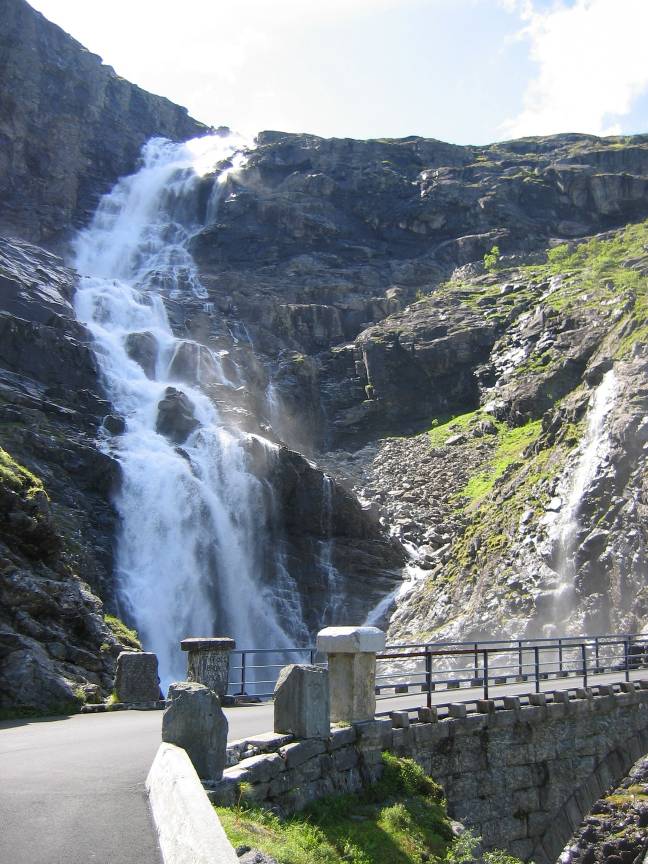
{"x":352,"y":670}
{"x":208,"y":662}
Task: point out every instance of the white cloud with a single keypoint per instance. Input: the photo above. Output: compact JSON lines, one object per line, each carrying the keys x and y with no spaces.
{"x":592,"y":65}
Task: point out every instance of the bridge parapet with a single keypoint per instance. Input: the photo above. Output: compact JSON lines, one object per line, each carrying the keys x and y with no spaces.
{"x":522,"y":776}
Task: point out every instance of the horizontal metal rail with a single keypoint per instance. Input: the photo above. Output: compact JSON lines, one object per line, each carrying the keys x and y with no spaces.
{"x":452,"y":665}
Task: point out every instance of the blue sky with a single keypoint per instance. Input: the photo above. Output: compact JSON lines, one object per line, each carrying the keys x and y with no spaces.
{"x":466,"y":71}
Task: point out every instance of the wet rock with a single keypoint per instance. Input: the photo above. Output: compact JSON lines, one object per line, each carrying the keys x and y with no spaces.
{"x":176,"y":420}
{"x":143,"y":349}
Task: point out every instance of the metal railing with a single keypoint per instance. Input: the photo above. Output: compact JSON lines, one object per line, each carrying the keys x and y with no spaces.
{"x":431,"y":667}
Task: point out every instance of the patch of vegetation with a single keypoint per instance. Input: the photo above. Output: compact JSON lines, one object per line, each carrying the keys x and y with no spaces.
{"x":491,"y":259}
{"x":400,"y":820}
{"x":510,"y":449}
{"x":124,"y":634}
{"x":16,"y":477}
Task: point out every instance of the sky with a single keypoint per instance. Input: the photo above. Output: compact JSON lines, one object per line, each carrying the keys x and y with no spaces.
{"x":464,"y":71}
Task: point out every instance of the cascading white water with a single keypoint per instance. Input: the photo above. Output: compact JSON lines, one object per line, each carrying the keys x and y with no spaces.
{"x":592,"y":454}
{"x":335,"y":594}
{"x":192,"y":545}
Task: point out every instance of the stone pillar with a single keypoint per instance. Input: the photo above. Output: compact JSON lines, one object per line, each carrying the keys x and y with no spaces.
{"x":136,"y":677}
{"x":352,"y":670}
{"x":208,"y":662}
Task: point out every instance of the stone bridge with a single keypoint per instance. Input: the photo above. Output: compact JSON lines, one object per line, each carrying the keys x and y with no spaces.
{"x":521,"y":771}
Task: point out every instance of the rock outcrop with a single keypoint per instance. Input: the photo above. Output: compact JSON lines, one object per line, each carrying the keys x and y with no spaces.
{"x":69,"y":127}
{"x":56,"y":519}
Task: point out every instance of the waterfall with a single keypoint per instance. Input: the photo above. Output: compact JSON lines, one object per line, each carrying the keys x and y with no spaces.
{"x":195,"y":522}
{"x":592,"y":454}
{"x":335,"y":604}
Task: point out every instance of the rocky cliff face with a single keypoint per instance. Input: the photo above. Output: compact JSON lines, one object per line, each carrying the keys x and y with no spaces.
{"x":69,"y":127}
{"x":56,"y":520}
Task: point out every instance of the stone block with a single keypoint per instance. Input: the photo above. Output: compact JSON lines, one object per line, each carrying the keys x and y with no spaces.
{"x":350,"y":640}
{"x":472,"y":724}
{"x":537,"y":699}
{"x":428,"y":715}
{"x":281,"y":784}
{"x":511,"y":703}
{"x":299,"y":752}
{"x":223,"y":792}
{"x":309,"y":771}
{"x":628,"y":687}
{"x":486,"y":706}
{"x":136,"y":677}
{"x":583,"y":693}
{"x":301,"y":702}
{"x":556,"y":710}
{"x":341,"y":737}
{"x":422,"y":735}
{"x":561,"y":697}
{"x":400,"y":719}
{"x":402,"y":741}
{"x":195,"y":721}
{"x":262,"y":768}
{"x":606,"y":690}
{"x":266,"y":742}
{"x":457,"y":710}
{"x":345,"y":759}
{"x":374,"y":733}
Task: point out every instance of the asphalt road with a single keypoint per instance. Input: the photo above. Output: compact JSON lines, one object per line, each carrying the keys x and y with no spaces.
{"x":72,"y":788}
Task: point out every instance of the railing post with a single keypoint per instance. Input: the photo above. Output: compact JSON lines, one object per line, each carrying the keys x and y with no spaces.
{"x":243,"y":656}
{"x":596,"y":650}
{"x":428,"y":676}
{"x":520,"y":660}
{"x":626,"y":651}
{"x":485,"y":673}
{"x":476,"y":663}
{"x":560,"y":656}
{"x":536,"y":656}
{"x":313,"y":652}
{"x":584,"y":656}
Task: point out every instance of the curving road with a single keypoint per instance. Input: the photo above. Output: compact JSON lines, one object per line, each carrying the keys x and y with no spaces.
{"x":72,"y":788}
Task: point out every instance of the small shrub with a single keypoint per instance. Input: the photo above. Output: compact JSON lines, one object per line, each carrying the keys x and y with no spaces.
{"x":491,"y":259}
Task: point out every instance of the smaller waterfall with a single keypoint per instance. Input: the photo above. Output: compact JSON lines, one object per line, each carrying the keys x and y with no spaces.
{"x":592,"y":455}
{"x":335,"y":604}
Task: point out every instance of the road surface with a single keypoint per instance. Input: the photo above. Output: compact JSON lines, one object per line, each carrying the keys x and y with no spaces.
{"x":72,"y":788}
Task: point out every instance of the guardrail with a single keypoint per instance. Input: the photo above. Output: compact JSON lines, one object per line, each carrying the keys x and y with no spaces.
{"x":436,"y":666}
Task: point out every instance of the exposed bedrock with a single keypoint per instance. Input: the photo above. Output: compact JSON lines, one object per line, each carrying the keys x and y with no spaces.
{"x":57,"y":523}
{"x":69,"y":127}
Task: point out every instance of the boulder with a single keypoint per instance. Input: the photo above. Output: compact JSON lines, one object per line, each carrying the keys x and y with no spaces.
{"x":175,"y":418}
{"x":301,"y":702}
{"x":136,"y":679}
{"x":143,"y":349}
{"x":195,"y":721}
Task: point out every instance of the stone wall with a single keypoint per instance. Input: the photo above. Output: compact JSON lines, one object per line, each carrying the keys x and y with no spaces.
{"x":523,"y":776}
